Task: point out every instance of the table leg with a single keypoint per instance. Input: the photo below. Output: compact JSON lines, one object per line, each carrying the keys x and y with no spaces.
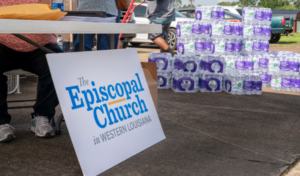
{"x":111,"y":41}
{"x":81,"y":42}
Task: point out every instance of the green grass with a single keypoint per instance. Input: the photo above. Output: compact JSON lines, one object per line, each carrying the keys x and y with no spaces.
{"x":290,"y":39}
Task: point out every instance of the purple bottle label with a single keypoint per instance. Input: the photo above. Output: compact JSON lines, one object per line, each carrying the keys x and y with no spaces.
{"x":207,"y":28}
{"x":267,"y":31}
{"x":207,"y":46}
{"x":258,"y":85}
{"x":199,"y":46}
{"x":215,"y":14}
{"x":268,"y":16}
{"x":258,"y":31}
{"x":265,"y":46}
{"x":229,"y":47}
{"x":296,"y":83}
{"x":212,"y":79}
{"x":196,"y":29}
{"x":178,"y":64}
{"x":157,"y":59}
{"x":286,"y":82}
{"x":198,"y":15}
{"x":203,"y":65}
{"x":164,"y":80}
{"x":202,"y":83}
{"x":284,"y":65}
{"x":249,"y":65}
{"x":227,"y":30}
{"x":256,"y":46}
{"x":222,"y":14}
{"x":241,"y":30}
{"x":248,"y":85}
{"x":185,"y":66}
{"x":236,"y":30}
{"x":259,"y":15}
{"x":265,"y":78}
{"x":263,"y":62}
{"x":294,"y":66}
{"x":237,"y":47}
{"x":240,"y":65}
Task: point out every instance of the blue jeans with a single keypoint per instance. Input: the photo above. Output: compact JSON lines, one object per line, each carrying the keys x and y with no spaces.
{"x":102,"y":40}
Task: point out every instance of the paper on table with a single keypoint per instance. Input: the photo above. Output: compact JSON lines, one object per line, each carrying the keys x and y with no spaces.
{"x":89,"y":19}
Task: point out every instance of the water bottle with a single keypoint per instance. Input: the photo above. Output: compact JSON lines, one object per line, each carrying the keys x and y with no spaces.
{"x":276,"y":82}
{"x":240,"y":65}
{"x":258,"y":31}
{"x":237,"y":33}
{"x":274,"y":65}
{"x":247,"y":46}
{"x":206,"y":29}
{"x":60,"y":42}
{"x":263,"y":62}
{"x":228,"y":30}
{"x":218,"y":46}
{"x":297,"y":83}
{"x":217,"y":28}
{"x":249,"y":65}
{"x":221,"y":13}
{"x":215,"y":64}
{"x":248,"y":31}
{"x":266,"y":32}
{"x":230,"y":46}
{"x":266,"y":79}
{"x":238,"y":46}
{"x":249,"y":15}
{"x":211,"y":83}
{"x":199,"y":46}
{"x":164,"y":79}
{"x":206,"y":13}
{"x":196,"y":29}
{"x":238,"y":84}
{"x":230,"y":64}
{"x":198,"y":13}
{"x":58,"y":4}
{"x":215,"y":14}
{"x":258,"y":84}
{"x":256,"y":47}
{"x":265,"y":46}
{"x":267,"y":16}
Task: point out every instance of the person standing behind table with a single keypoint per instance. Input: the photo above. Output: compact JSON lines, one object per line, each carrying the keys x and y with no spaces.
{"x":161,"y":12}
{"x":108,"y":6}
{"x":18,"y":54}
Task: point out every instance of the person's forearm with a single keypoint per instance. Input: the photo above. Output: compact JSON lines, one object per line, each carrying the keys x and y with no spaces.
{"x":45,"y":1}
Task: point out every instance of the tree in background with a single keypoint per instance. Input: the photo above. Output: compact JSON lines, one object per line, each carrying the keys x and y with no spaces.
{"x":228,"y":3}
{"x":251,"y":3}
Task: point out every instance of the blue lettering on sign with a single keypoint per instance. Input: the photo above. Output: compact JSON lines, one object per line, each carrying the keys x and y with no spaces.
{"x":99,"y":99}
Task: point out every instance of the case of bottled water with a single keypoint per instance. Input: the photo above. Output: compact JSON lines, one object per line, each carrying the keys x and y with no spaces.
{"x":285,"y":83}
{"x":276,"y":82}
{"x":184,"y":29}
{"x":243,"y":84}
{"x":164,"y":61}
{"x":185,"y":82}
{"x":203,"y":13}
{"x":244,"y":65}
{"x":164,"y":79}
{"x":257,"y":15}
{"x":211,"y":64}
{"x":289,"y":65}
{"x":255,"y":46}
{"x":201,"y":29}
{"x":257,"y":31}
{"x":186,"y":63}
{"x":210,"y":82}
{"x":186,"y":46}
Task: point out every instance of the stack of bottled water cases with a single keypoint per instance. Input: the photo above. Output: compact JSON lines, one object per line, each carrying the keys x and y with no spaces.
{"x":283,"y":71}
{"x":165,"y":66}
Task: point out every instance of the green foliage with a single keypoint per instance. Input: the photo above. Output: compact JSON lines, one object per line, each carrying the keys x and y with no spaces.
{"x":177,"y":4}
{"x":252,"y":3}
{"x":228,"y":3}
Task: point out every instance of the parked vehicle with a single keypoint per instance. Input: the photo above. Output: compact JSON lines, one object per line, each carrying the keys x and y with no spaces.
{"x":140,"y":18}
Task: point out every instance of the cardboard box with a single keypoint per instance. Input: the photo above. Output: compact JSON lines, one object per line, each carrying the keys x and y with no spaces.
{"x":151,"y":78}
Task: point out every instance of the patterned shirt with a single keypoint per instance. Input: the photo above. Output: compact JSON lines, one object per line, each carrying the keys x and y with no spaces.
{"x":108,"y":6}
{"x":18,"y":44}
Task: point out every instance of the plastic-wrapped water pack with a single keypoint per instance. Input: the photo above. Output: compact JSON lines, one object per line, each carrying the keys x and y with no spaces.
{"x":211,"y":64}
{"x":164,"y":61}
{"x":186,"y":63}
{"x":185,"y":82}
{"x":211,"y":83}
{"x":164,"y":79}
{"x":285,"y":83}
{"x":243,"y":84}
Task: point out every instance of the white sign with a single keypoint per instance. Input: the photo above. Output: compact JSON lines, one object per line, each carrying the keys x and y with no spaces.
{"x":107,"y":106}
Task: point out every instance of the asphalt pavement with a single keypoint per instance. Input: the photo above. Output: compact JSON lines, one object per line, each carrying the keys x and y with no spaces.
{"x":207,"y":134}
